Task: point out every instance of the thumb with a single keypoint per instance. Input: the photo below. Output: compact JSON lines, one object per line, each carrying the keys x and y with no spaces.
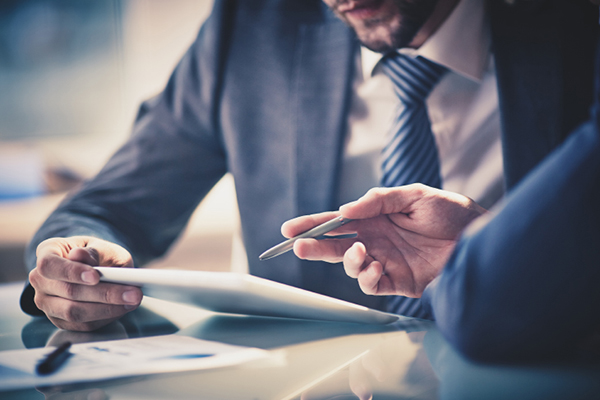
{"x":84,"y":255}
{"x":101,"y":253}
{"x":375,"y":202}
{"x":379,"y":201}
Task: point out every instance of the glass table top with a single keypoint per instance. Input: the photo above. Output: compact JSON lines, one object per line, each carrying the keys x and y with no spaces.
{"x":314,"y":360}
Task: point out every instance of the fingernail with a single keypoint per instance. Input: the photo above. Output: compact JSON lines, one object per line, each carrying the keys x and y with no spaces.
{"x":88,"y":277}
{"x":130,"y":307}
{"x":130,"y":297}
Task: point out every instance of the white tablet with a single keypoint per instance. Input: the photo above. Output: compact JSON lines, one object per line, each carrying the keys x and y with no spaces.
{"x":236,"y":293}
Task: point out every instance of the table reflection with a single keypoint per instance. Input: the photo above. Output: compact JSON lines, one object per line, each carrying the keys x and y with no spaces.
{"x":311,"y":360}
{"x":461,"y":379}
{"x":316,"y":360}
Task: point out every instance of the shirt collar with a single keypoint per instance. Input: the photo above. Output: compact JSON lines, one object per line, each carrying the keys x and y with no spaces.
{"x":461,"y":43}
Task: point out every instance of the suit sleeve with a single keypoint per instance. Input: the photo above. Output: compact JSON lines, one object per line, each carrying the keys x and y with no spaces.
{"x":525,"y":285}
{"x":144,"y":196}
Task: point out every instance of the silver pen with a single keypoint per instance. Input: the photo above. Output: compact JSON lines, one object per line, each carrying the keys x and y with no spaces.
{"x":311,"y":233}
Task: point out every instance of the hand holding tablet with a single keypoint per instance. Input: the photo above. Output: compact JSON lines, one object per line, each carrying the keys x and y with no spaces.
{"x":236,"y":293}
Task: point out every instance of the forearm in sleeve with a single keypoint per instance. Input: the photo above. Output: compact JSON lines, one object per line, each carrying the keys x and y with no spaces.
{"x":525,"y":285}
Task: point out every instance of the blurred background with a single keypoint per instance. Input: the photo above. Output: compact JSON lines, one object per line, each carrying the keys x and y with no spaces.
{"x":72,"y":75}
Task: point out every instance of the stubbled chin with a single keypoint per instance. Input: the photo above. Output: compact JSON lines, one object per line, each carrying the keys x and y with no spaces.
{"x":379,"y":40}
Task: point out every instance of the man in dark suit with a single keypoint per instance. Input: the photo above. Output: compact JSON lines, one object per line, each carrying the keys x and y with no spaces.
{"x":271,"y":92}
{"x":519,"y":284}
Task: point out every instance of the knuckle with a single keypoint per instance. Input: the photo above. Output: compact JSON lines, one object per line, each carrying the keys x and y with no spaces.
{"x":73,"y":313}
{"x":420,"y":188}
{"x":34,"y":278}
{"x":110,"y":312}
{"x":43,"y":265}
{"x":38,"y":299}
{"x":44,"y":244}
{"x":375,"y":193}
{"x":106,"y":296}
{"x":70,"y":291}
{"x":110,"y":297}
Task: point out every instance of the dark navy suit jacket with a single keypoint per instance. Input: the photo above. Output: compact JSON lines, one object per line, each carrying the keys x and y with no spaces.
{"x":264,"y":92}
{"x":526,"y":285}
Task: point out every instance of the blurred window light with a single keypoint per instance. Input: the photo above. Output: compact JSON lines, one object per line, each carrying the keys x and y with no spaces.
{"x":21,"y":173}
{"x":72,"y":76}
{"x":60,"y":67}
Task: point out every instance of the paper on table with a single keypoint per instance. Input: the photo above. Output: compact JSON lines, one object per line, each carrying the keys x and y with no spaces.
{"x":120,"y":358}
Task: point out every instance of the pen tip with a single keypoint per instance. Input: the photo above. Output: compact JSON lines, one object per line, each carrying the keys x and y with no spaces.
{"x":267,"y":255}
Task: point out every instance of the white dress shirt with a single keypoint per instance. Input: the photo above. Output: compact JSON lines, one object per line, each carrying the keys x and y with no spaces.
{"x":463,"y":110}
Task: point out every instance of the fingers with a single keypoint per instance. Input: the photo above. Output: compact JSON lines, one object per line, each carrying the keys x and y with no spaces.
{"x":80,"y":307}
{"x":54,"y":261}
{"x":107,"y":293}
{"x":61,"y":269}
{"x":298,"y":225}
{"x":68,"y":290}
{"x":328,"y":250}
{"x":357,"y":263}
{"x":70,"y":259}
{"x":76,"y":315}
{"x":371,"y":278}
{"x":375,"y":202}
{"x":354,"y":259}
{"x":366,"y":270}
{"x":86,"y":250}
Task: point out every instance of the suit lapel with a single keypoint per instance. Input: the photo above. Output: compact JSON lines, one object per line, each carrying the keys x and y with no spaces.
{"x":322,"y":80}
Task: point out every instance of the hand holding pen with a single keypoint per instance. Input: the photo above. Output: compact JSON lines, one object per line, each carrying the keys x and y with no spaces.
{"x":315,"y":232}
{"x":403,"y":237}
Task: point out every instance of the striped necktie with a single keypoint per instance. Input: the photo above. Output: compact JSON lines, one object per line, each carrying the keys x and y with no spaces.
{"x":410,"y":154}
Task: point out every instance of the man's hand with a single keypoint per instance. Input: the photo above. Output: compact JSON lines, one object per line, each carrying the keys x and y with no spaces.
{"x":405,"y":236}
{"x":68,"y":290}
